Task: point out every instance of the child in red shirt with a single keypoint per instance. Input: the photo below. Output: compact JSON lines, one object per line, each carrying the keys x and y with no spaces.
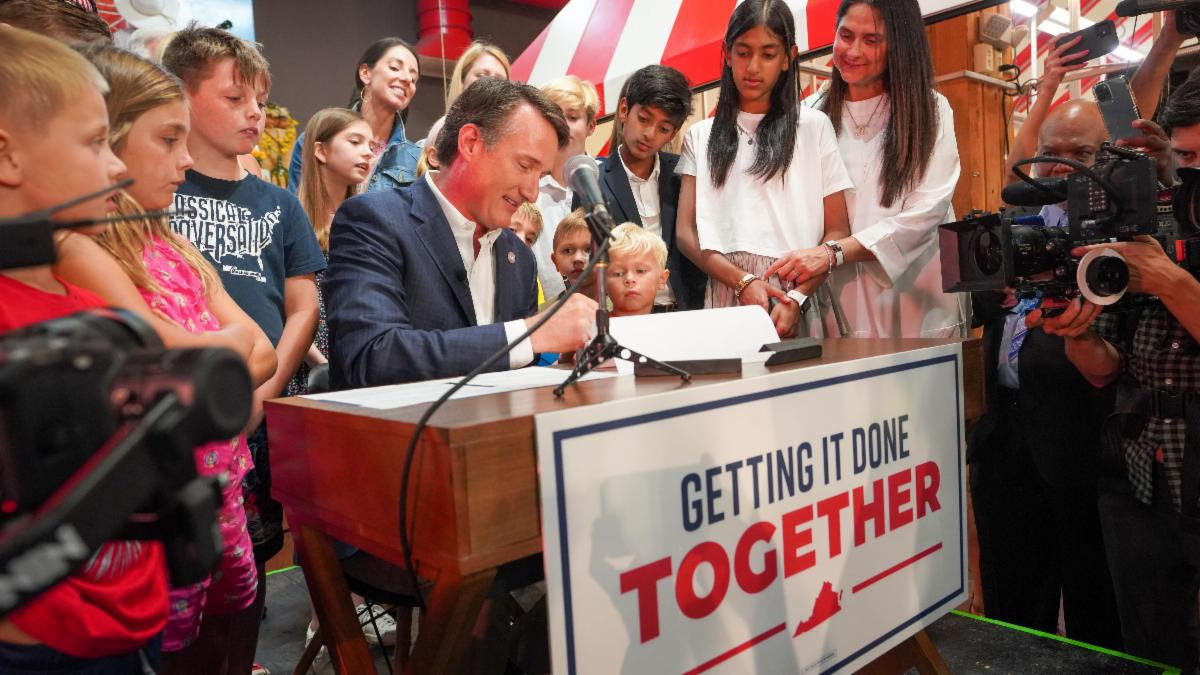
{"x":106,"y":618}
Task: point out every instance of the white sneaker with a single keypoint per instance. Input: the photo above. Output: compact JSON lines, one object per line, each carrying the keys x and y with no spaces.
{"x":322,"y":664}
{"x":383,"y":621}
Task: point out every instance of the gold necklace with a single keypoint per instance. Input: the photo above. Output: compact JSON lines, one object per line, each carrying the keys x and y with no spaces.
{"x":860,"y":130}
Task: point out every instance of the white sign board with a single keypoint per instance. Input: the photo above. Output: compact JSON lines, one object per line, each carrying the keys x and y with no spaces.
{"x":804,"y":521}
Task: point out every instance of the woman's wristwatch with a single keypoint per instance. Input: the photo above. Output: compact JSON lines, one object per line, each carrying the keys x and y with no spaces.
{"x":838,"y":254}
{"x":746,"y":280}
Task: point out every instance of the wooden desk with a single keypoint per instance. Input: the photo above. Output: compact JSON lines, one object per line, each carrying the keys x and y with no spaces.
{"x":473,"y":497}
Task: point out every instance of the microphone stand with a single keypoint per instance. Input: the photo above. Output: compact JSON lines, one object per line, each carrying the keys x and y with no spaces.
{"x":604,"y":346}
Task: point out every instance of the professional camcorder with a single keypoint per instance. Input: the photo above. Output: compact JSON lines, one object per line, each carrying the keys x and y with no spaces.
{"x":1114,"y":200}
{"x":98,"y":427}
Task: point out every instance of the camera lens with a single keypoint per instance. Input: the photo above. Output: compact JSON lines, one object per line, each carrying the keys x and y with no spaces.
{"x":1108,"y":276}
{"x":989,"y":254}
{"x":1103,"y":94}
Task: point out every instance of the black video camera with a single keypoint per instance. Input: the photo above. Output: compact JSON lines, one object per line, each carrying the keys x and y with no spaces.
{"x":1117,"y":198}
{"x":98,"y":426}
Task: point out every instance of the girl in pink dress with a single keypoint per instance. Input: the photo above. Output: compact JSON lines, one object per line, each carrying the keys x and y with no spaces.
{"x":142,"y":266}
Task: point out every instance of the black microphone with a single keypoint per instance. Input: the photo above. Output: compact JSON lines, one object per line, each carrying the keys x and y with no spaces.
{"x":462,"y":275}
{"x":1047,"y":191}
{"x":1135,"y":7}
{"x":584,"y":178}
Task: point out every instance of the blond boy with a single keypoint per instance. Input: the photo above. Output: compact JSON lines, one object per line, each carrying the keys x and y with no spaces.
{"x":580,"y":104}
{"x":54,"y":147}
{"x":527,"y":223}
{"x":637,"y":270}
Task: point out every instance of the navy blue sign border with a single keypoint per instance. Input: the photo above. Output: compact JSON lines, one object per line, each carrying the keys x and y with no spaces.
{"x":562,"y":435}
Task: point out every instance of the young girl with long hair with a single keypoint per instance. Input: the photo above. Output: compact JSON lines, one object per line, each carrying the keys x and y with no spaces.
{"x":763,"y":177}
{"x":900,"y":149}
{"x":337,"y":158}
{"x":142,"y":266}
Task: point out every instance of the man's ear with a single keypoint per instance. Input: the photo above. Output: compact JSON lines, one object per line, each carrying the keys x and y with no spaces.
{"x":591,"y":127}
{"x":622,"y":110}
{"x":470,"y":142}
{"x":11,"y":165}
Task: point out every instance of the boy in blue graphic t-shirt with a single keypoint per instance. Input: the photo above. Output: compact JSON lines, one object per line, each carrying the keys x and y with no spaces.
{"x":254,"y":233}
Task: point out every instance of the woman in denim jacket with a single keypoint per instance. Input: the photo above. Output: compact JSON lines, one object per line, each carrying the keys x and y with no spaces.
{"x":384,"y":84}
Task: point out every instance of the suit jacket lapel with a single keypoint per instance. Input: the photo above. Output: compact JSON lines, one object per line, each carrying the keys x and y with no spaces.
{"x":668,"y":195}
{"x":618,"y":186}
{"x":434,"y":231}
{"x":505,"y":280}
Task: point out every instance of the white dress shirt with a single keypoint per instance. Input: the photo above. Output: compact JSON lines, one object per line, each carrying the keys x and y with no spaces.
{"x":645,"y":196}
{"x":554,"y":201}
{"x":481,"y":275}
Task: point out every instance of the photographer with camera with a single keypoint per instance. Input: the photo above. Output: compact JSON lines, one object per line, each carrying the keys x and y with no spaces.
{"x":1150,"y":489}
{"x":109,"y":615}
{"x":1035,"y":512}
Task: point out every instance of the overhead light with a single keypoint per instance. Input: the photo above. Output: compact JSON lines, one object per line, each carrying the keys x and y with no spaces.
{"x":1061,"y":17}
{"x":1052,"y":28}
{"x":1022,"y":8}
{"x":1127,"y":54}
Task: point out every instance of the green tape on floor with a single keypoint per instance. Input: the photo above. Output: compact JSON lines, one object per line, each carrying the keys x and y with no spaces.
{"x":285,"y":569}
{"x":1167,"y":670}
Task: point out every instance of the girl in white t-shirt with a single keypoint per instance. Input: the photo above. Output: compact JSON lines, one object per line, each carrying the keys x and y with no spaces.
{"x":763,"y":177}
{"x":900,"y":150}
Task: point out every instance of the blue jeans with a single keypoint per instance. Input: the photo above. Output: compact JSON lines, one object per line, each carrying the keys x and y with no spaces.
{"x":39,"y":659}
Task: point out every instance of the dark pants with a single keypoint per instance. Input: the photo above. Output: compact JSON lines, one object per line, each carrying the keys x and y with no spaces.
{"x":1039,"y":541}
{"x":39,"y":659}
{"x":1154,"y":556}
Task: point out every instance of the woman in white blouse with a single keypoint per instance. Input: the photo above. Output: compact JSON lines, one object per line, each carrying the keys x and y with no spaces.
{"x":763,"y":177}
{"x":896,"y":135}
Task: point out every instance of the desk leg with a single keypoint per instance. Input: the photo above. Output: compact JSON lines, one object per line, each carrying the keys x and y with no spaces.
{"x":331,"y":598}
{"x":917,"y":652}
{"x":444,"y":639}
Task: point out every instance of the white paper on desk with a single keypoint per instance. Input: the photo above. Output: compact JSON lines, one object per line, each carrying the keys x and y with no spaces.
{"x":400,"y":395}
{"x":726,"y":333}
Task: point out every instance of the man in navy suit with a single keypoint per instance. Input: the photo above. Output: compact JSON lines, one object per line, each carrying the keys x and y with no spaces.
{"x":639,"y":181}
{"x":427,"y":281}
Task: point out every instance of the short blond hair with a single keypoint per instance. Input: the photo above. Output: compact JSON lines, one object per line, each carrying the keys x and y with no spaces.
{"x":477,"y":49}
{"x":534,"y":214}
{"x":39,"y":77}
{"x":569,"y":92}
{"x":633,"y":239}
{"x":574,"y":222}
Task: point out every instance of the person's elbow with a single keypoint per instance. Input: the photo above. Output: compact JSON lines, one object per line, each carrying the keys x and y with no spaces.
{"x":263,"y":362}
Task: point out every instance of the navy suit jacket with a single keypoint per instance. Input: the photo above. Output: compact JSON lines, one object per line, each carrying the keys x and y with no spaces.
{"x":686,"y":280}
{"x":397,"y":300}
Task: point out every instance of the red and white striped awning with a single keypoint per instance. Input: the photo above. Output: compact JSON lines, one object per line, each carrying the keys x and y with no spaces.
{"x":605,"y":41}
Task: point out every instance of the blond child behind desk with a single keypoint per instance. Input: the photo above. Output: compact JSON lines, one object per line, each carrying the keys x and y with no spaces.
{"x":636,"y":270}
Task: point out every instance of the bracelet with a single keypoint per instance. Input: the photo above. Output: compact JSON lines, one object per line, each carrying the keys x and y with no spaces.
{"x":746,"y":280}
{"x":829,"y":253}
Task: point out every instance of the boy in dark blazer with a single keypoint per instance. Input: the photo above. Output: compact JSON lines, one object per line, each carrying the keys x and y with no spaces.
{"x":638,"y":179}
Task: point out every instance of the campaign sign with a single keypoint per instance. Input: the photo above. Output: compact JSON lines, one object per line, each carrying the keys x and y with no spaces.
{"x":799,"y":522}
